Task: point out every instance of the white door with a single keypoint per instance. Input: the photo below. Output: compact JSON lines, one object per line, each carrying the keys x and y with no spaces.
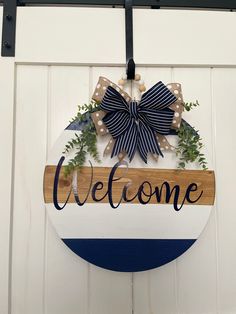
{"x":60,"y":52}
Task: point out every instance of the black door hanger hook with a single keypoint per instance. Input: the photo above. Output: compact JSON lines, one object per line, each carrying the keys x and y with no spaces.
{"x":130,"y":65}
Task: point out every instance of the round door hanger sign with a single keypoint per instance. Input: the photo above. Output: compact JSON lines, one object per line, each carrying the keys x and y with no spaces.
{"x":115,"y":184}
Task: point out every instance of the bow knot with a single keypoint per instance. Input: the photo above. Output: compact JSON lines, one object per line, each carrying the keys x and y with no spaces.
{"x":133,"y":109}
{"x":152,"y":114}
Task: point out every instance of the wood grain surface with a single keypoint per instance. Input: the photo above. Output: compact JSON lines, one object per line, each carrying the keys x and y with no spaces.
{"x":205,"y":181}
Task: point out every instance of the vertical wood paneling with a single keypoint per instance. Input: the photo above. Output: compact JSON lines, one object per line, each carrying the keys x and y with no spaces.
{"x":224,"y":101}
{"x":196,"y":269}
{"x":155,"y":290}
{"x":110,"y":292}
{"x":68,"y":86}
{"x":47,"y":278}
{"x":7,"y":81}
{"x":66,"y":275}
{"x":28,"y":211}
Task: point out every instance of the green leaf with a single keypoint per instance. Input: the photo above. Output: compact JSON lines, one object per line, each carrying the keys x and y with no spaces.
{"x":190,"y":144}
{"x":84,"y":142}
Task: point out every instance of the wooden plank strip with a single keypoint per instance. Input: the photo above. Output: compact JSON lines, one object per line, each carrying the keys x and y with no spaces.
{"x":156,"y":290}
{"x":205,"y":181}
{"x":109,"y":291}
{"x":7,"y":87}
{"x":224,"y":120}
{"x":191,"y":269}
{"x":28,"y":210}
{"x":66,"y":86}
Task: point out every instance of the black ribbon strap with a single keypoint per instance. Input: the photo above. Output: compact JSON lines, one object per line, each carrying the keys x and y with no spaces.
{"x":130,"y":65}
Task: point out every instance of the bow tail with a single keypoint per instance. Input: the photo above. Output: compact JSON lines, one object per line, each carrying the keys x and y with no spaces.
{"x":127,"y":142}
{"x":147,"y":142}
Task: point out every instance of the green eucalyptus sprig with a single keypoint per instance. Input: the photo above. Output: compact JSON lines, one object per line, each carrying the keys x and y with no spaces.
{"x":84,"y":110}
{"x":84,"y":143}
{"x":190,"y":143}
{"x":190,"y":105}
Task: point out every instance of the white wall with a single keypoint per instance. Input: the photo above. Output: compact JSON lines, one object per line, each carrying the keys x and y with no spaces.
{"x":39,"y":91}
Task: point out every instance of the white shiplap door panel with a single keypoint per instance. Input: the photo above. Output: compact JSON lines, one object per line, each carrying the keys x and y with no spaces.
{"x":7,"y":93}
{"x":67,"y":87}
{"x":96,"y":35}
{"x":224,"y":98}
{"x":71,"y":35}
{"x":196,"y":270}
{"x":7,"y":90}
{"x":87,"y":287}
{"x":29,"y":211}
{"x":66,"y":278}
{"x":184,"y":37}
{"x":108,"y":285}
{"x":156,"y":289}
{"x":176,"y":292}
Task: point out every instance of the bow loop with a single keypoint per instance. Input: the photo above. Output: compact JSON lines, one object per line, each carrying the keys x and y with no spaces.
{"x":113,"y":101}
{"x":158,"y":97}
{"x":159,"y":120}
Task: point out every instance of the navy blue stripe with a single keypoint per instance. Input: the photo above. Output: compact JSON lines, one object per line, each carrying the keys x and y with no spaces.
{"x":128,"y":255}
{"x":77,"y":125}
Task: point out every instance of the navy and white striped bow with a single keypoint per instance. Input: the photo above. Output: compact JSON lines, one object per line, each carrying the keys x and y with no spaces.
{"x":135,"y":125}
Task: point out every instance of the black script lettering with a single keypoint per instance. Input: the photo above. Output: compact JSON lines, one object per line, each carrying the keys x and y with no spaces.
{"x":144,"y":193}
{"x":192,"y":188}
{"x":75,"y":187}
{"x":112,"y":179}
{"x":55,"y":185}
{"x":175,"y":189}
{"x":98,"y":186}
{"x":141,"y":191}
{"x":124,"y":194}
